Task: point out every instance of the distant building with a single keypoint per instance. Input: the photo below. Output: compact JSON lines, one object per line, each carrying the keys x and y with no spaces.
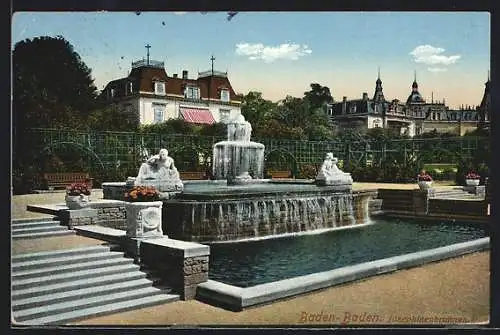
{"x":157,"y":97}
{"x":414,"y":117}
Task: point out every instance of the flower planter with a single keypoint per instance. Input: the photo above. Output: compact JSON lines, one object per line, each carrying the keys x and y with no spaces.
{"x":424,"y":185}
{"x":144,"y":219}
{"x":77,"y":201}
{"x":472,"y":182}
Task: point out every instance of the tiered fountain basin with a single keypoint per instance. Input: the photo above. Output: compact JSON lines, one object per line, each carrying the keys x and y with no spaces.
{"x":215,"y":211}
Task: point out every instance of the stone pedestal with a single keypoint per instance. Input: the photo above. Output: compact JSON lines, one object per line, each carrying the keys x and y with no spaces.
{"x":144,"y":219}
{"x":181,"y":265}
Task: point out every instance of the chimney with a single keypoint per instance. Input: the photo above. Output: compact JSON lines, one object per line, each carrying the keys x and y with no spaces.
{"x":365,"y":96}
{"x":176,"y":75}
{"x":184,"y":74}
{"x":344,"y":105}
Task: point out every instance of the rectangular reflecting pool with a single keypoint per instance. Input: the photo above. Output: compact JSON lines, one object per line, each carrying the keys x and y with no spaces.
{"x":251,"y":263}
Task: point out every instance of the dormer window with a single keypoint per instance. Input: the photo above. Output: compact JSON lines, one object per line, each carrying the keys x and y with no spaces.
{"x":130,"y":87}
{"x":159,"y":88}
{"x":224,"y":95}
{"x":192,"y":92}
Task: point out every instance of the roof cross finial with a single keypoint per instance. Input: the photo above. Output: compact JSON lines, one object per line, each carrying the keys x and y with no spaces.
{"x":379,"y":72}
{"x":147,"y":48}
{"x":212,"y":59}
{"x":415,"y":75}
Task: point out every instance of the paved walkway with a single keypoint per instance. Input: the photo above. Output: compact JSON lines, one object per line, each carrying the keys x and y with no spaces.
{"x":449,"y":292}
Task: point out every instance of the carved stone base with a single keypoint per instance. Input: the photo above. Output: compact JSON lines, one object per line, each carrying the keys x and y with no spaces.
{"x":144,"y":219}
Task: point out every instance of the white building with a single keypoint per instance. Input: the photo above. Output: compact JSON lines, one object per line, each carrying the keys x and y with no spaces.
{"x":156,"y":97}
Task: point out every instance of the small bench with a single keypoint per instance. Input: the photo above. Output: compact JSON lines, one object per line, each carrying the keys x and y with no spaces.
{"x":63,"y":179}
{"x":192,"y":175}
{"x":277,"y":174}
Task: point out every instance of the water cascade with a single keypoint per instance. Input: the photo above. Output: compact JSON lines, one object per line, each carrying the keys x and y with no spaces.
{"x":238,"y":158}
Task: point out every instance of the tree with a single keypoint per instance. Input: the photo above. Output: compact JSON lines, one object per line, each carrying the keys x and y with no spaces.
{"x":52,"y":87}
{"x":318,"y":96}
{"x":256,"y":109}
{"x":112,"y":118}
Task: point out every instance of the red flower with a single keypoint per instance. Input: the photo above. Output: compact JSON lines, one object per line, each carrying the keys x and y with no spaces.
{"x":142,"y":193}
{"x":77,"y":189}
{"x":472,"y":175}
{"x":424,"y":176}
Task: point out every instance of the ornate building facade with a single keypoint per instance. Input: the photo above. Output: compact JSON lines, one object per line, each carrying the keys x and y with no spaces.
{"x":154,"y":96}
{"x":413,"y":117}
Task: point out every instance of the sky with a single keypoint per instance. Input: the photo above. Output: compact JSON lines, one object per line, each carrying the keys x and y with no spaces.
{"x":282,"y":53}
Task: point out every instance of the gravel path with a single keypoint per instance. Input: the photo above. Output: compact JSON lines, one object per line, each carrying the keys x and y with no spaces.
{"x":450,"y":292}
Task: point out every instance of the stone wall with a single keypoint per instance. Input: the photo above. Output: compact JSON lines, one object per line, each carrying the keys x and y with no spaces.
{"x":109,"y":213}
{"x":181,"y":265}
{"x":414,"y":202}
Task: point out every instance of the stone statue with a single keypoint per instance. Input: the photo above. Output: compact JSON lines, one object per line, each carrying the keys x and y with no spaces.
{"x":330,"y":174}
{"x":159,"y":171}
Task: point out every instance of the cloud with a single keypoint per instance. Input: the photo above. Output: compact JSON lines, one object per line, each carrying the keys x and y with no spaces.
{"x":437,"y":69}
{"x":180,"y":13}
{"x":269,"y":54}
{"x":430,"y":55}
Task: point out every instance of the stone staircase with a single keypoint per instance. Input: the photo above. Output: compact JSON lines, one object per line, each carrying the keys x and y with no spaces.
{"x":57,"y":287}
{"x":39,"y":227}
{"x":455,"y":193}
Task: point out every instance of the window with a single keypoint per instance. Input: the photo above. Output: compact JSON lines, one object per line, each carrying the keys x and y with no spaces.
{"x":130,"y":88}
{"x":224,"y":114}
{"x":330,"y":110}
{"x":112,"y":93}
{"x":159,"y":88}
{"x":192,"y":92}
{"x":224,"y":95}
{"x":159,"y":113}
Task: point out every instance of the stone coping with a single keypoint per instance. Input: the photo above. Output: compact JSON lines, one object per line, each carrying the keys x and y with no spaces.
{"x":238,"y":298}
{"x":188,"y":249}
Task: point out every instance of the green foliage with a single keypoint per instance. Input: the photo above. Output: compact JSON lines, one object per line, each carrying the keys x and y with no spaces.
{"x":172,"y":126}
{"x":52,"y":87}
{"x":318,"y":96}
{"x":112,"y":118}
{"x":307,"y":171}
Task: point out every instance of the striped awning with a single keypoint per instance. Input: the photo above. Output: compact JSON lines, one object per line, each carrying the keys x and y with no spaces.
{"x":197,"y":115}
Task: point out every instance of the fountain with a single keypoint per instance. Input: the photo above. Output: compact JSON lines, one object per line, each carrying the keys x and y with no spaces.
{"x":235,"y":158}
{"x":240,"y":205}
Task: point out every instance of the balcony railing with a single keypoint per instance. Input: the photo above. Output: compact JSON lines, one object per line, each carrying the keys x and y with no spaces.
{"x":209,"y":73}
{"x":150,"y":63}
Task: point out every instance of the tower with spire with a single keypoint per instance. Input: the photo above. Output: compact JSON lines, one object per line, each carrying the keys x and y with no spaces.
{"x":379,"y":94}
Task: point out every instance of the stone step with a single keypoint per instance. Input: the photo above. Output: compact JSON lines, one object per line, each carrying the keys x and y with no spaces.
{"x":88,"y":292}
{"x":43,"y":234}
{"x":32,"y":256}
{"x":52,"y":270}
{"x":27,"y":220}
{"x":86,"y":302}
{"x":64,"y":260}
{"x":35,"y":224}
{"x":109,"y":308}
{"x":38,"y":229}
{"x":105,"y":280}
{"x":70,"y":276}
